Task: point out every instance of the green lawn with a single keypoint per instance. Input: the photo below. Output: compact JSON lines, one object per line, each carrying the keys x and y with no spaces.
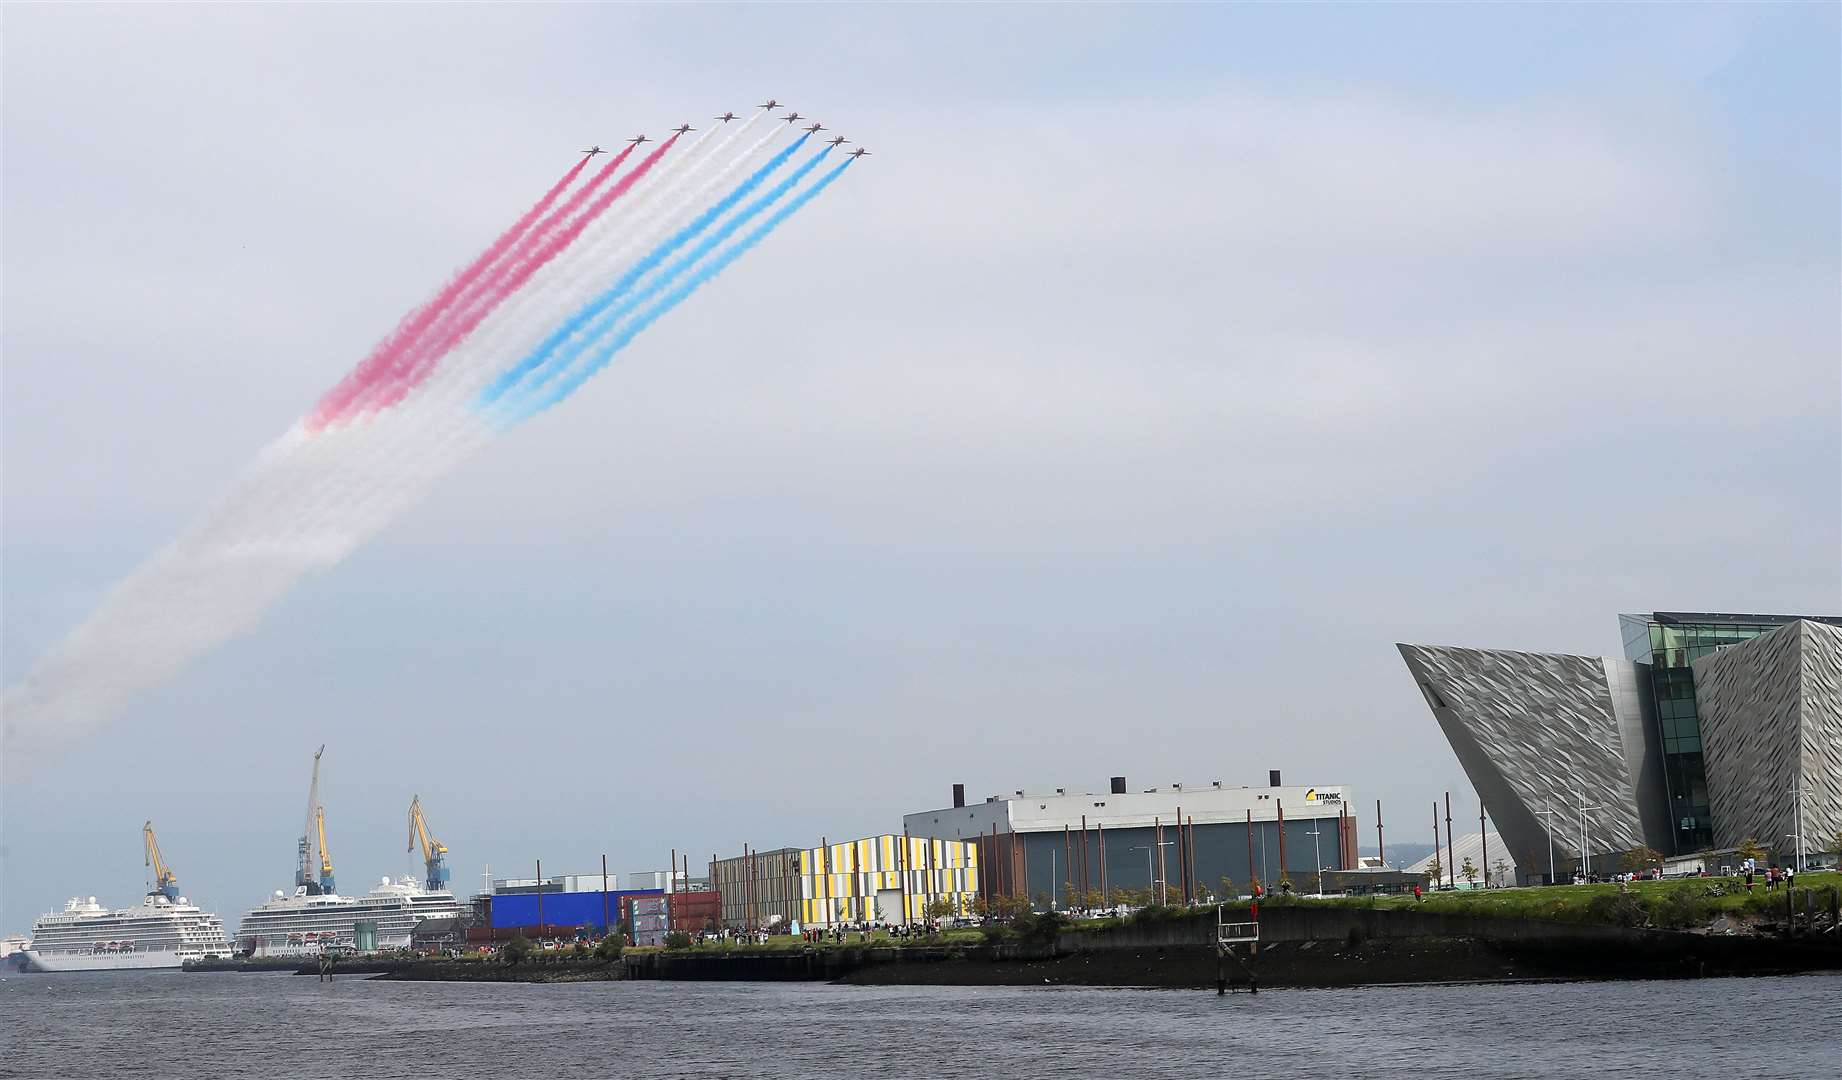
{"x":1665,"y":902}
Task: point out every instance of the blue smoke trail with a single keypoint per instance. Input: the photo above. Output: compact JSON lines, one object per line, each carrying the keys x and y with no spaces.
{"x":560,"y":361}
{"x":567,"y":386}
{"x":538,"y":356}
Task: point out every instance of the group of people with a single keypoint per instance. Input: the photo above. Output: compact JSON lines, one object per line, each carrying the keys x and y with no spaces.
{"x":863,"y":931}
{"x":1773,"y":875}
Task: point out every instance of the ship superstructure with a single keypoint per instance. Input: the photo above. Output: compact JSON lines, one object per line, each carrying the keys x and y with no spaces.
{"x":306,"y":923}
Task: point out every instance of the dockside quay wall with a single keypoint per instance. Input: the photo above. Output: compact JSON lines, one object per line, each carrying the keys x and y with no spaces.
{"x":1289,"y":923}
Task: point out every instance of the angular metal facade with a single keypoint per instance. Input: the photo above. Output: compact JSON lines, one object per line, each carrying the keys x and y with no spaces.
{"x":1771,"y":721}
{"x":1545,"y":732}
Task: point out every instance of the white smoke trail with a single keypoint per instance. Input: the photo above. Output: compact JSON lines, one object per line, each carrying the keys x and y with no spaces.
{"x":306,"y":502}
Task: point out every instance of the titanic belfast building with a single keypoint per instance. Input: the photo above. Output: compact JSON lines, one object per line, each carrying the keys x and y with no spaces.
{"x":1711,"y":729}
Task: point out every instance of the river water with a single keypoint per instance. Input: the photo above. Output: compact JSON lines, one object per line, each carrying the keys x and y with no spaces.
{"x":282,"y":1027}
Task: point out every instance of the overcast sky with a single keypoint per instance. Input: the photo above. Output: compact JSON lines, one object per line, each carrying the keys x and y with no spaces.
{"x":1161,"y":370}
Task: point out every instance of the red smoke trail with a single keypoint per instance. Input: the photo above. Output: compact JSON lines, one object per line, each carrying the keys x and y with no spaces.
{"x":337,"y":401}
{"x":503,"y":285}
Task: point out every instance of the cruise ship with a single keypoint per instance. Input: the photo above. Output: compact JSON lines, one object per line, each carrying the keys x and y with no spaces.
{"x":164,"y":932}
{"x":306,"y":923}
{"x":314,"y":917}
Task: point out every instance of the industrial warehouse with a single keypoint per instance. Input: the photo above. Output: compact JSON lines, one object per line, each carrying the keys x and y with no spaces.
{"x":1051,"y":851}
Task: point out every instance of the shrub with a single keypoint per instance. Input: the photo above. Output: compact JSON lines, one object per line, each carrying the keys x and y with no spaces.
{"x":515,"y":950}
{"x":1042,"y":928}
{"x":677,"y":939}
{"x":1620,"y":909}
{"x":610,"y":948}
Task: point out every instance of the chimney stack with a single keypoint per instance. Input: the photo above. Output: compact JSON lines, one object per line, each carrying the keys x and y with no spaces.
{"x":1119,"y":785}
{"x":959,"y":796}
{"x":1272,"y":778}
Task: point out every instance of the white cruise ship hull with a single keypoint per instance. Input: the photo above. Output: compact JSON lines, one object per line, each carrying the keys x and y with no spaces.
{"x":304,"y":926}
{"x":62,"y":961}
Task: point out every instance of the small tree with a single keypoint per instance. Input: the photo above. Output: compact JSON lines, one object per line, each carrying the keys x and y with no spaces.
{"x":1228,"y":890}
{"x":941,"y":907}
{"x":1092,"y":900}
{"x":1501,"y":869}
{"x":1434,"y":871}
{"x":609,"y":948}
{"x":1835,"y":845}
{"x":1468,"y":871}
{"x":1009,"y":907}
{"x":1071,"y":896}
{"x":1045,"y":901}
{"x":1750,"y":848}
{"x":677,"y":939}
{"x":1641,"y":857}
{"x":978,"y":907}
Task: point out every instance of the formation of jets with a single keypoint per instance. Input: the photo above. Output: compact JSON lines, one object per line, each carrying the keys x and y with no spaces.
{"x":770,"y":104}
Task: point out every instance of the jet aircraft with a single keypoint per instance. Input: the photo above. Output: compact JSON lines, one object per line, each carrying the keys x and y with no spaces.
{"x":682,"y":128}
{"x":815,"y":128}
{"x":859,"y":152}
{"x":593,"y":150}
{"x":638,"y":139}
{"x":726,"y":117}
{"x":792,"y":116}
{"x":770,"y":104}
{"x":836,"y":140}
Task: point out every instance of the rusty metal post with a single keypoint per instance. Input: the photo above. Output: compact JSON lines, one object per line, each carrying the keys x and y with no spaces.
{"x":1436,"y":857}
{"x":1106,"y":895}
{"x":606,"y":926}
{"x":901,"y":868}
{"x":1067,"y":866}
{"x":1484,"y":835}
{"x":1195,"y":886}
{"x":1381,"y":853}
{"x":540,"y":898}
{"x":1280,"y":804}
{"x":1451,"y":872}
{"x":1252,"y":874}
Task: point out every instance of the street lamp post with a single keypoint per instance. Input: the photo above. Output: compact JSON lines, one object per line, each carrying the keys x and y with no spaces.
{"x":1317,"y":856}
{"x":1797,"y":822}
{"x":1151,"y":875}
{"x":1585,"y":864}
{"x":1550,"y":831}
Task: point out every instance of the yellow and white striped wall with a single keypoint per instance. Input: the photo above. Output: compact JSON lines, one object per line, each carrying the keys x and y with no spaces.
{"x":843,"y":883}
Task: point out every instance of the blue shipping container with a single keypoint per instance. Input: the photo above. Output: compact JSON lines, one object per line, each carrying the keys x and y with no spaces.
{"x":512,"y":910}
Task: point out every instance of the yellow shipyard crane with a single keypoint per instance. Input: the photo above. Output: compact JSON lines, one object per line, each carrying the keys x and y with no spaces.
{"x":164,"y":882}
{"x":326,"y":857}
{"x":434,"y":852}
